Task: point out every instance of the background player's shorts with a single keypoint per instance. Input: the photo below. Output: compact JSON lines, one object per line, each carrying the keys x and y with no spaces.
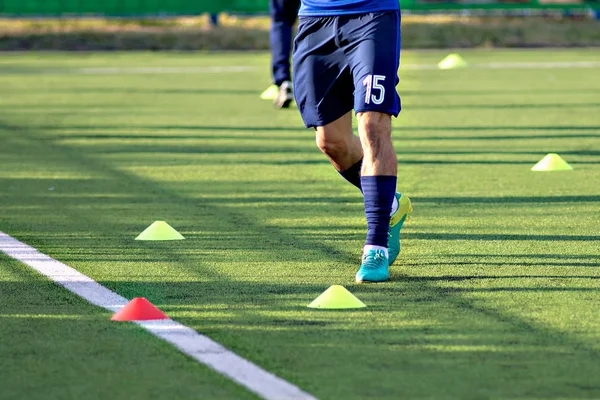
{"x":346,"y":62}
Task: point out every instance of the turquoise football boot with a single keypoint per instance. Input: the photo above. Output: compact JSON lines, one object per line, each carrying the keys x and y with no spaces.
{"x":374,"y":267}
{"x":396,"y":222}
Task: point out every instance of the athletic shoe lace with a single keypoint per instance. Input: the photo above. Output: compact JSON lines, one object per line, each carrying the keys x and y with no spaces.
{"x":373,"y":259}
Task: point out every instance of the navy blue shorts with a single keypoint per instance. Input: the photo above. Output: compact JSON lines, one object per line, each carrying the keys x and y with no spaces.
{"x":346,"y":62}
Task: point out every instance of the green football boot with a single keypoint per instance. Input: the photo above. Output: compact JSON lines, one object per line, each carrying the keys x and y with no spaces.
{"x":374,"y":267}
{"x":396,"y":222}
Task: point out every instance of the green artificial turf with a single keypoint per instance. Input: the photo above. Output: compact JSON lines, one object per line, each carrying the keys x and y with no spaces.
{"x":495,"y":295}
{"x":56,"y":346}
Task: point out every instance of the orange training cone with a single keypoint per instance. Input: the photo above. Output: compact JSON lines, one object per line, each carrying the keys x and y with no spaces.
{"x":138,"y":309}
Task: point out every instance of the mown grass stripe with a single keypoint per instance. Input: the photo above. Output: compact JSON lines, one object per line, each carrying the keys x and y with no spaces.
{"x":187,"y":340}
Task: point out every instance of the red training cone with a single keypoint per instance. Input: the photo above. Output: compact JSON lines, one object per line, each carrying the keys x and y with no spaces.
{"x":138,"y":309}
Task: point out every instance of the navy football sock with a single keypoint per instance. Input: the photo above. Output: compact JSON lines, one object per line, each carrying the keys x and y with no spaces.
{"x":378,"y":192}
{"x":352,"y":174}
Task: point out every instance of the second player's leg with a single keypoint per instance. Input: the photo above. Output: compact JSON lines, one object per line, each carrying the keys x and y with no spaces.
{"x":283,"y":17}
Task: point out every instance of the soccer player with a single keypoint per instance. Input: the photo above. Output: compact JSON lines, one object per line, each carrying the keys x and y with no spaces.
{"x":346,"y":56}
{"x":283,"y":17}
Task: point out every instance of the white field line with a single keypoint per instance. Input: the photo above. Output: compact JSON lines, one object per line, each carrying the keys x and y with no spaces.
{"x":514,"y":65}
{"x":237,"y":69}
{"x":540,"y":64}
{"x":126,"y":70}
{"x":187,"y":340}
{"x":161,"y":70}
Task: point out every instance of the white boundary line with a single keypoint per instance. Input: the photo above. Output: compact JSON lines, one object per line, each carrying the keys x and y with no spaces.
{"x":187,"y":340}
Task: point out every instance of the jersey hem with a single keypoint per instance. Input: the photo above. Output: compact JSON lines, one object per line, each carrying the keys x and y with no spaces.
{"x":335,"y":13}
{"x":393,"y":112}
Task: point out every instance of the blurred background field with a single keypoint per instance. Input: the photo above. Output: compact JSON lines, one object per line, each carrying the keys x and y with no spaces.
{"x":244,"y":24}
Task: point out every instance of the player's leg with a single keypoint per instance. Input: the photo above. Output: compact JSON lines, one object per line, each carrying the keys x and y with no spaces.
{"x":337,"y":141}
{"x":401,"y":204}
{"x":378,"y":181}
{"x":283,"y":17}
{"x":324,"y":89}
{"x":373,"y":54}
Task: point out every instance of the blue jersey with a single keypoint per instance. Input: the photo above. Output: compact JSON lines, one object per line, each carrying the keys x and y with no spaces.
{"x":322,"y":8}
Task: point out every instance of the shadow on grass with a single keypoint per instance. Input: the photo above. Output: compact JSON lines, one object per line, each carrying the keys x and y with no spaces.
{"x":507,"y":199}
{"x":420,"y":93}
{"x":147,"y":91}
{"x":518,"y":128}
{"x":451,"y":106}
{"x":460,"y":278}
{"x":527,"y":256}
{"x":491,"y":92}
{"x":413,"y":328}
{"x":497,"y":236}
{"x":500,"y":263}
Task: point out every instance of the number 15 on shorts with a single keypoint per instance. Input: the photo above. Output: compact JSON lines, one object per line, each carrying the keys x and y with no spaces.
{"x":375,"y":92}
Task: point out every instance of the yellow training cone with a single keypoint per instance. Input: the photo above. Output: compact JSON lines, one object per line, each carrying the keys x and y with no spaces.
{"x":336,"y":297}
{"x":159,"y":230}
{"x":452,"y":61}
{"x":270,"y":93}
{"x":552,"y":162}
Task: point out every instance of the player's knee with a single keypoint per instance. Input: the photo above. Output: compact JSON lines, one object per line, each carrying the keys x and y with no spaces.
{"x":330,"y":144}
{"x":375,"y":126}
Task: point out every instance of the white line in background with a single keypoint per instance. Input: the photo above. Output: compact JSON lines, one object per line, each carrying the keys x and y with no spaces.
{"x":513,"y":65}
{"x":236,"y":69}
{"x":187,"y":340}
{"x":223,"y":69}
{"x":542,"y":64}
{"x":161,"y":70}
{"x":192,"y":70}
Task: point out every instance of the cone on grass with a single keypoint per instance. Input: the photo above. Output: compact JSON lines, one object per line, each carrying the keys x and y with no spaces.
{"x":452,"y":61}
{"x":160,"y":230}
{"x":270,"y":93}
{"x":139,"y":309}
{"x":336,"y":297}
{"x":552,"y":162}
